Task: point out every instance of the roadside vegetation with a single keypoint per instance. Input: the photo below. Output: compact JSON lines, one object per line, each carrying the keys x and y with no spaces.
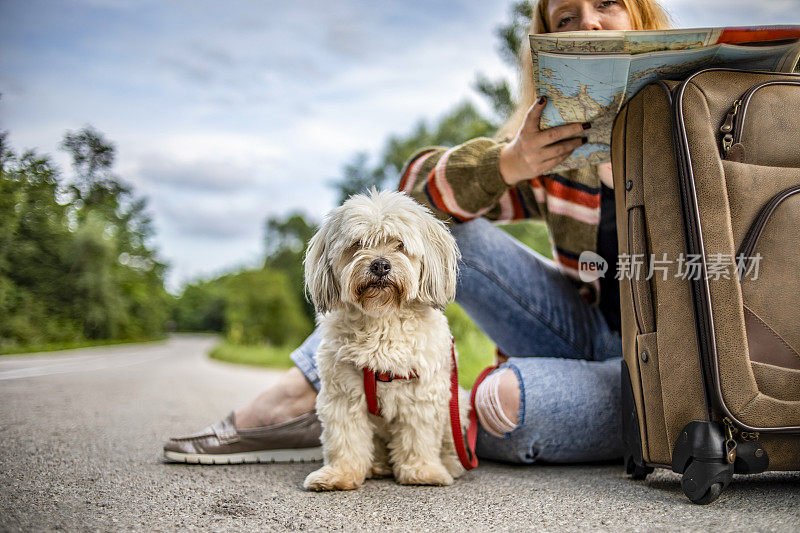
{"x":58,"y":346}
{"x":76,"y":262}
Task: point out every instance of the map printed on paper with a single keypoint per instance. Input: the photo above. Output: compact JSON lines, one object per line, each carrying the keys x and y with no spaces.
{"x":588,"y":76}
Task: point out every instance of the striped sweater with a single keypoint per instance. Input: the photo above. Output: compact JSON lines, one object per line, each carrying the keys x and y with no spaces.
{"x":463,"y":183}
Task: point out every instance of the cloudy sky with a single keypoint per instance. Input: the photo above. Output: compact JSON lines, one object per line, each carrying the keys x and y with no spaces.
{"x":224,"y":113}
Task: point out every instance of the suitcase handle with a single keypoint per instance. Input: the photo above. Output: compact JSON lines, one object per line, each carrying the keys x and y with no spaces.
{"x":641,"y":290}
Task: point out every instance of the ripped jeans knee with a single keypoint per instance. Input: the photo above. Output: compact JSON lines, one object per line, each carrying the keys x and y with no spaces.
{"x":497,"y":402}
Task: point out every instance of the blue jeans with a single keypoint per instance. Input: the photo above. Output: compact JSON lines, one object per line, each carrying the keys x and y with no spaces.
{"x":564,"y":355}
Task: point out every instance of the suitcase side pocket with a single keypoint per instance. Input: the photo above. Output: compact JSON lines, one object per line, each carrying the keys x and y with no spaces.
{"x":772,"y":341}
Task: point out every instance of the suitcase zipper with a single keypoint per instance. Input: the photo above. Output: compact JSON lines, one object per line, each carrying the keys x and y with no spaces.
{"x":703,"y":313}
{"x":692,"y":235}
{"x":727,"y":129}
{"x":730,"y":442}
{"x":753,"y":234}
{"x":733,"y":125}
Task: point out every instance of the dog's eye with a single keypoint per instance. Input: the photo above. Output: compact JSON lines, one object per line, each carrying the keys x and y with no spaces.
{"x":352,"y":249}
{"x":401,"y":247}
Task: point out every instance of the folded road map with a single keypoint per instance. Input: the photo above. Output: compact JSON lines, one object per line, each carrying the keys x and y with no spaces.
{"x":588,"y":75}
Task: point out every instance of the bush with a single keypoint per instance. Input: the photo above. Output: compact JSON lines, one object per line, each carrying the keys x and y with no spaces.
{"x":261,"y":307}
{"x":201,"y":307}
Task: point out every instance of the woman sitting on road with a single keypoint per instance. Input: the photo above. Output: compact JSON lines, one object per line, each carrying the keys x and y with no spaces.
{"x":556,"y":398}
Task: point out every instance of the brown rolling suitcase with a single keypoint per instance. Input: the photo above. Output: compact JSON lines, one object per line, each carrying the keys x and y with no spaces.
{"x":707,"y":181}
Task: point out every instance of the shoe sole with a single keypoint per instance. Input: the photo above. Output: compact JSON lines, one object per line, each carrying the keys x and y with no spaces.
{"x":297,"y":455}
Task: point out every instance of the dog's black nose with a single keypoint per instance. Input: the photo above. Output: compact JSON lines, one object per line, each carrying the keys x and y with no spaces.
{"x":380,"y":267}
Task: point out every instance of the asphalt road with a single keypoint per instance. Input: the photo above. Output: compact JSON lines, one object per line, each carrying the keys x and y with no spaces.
{"x":80,"y":437}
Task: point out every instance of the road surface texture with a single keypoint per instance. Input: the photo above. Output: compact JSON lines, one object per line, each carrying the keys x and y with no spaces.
{"x":81,"y":435}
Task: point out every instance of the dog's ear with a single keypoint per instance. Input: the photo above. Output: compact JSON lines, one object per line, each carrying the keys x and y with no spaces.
{"x":320,"y":279}
{"x":439,"y":270}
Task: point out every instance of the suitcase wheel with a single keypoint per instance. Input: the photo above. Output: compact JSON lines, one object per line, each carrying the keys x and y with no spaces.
{"x":636,"y":471}
{"x":702,"y":481}
{"x":632,"y":441}
{"x":711,"y":494}
{"x":699,"y":454}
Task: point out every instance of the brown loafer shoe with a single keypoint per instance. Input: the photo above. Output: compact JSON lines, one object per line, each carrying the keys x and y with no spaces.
{"x":295,"y":440}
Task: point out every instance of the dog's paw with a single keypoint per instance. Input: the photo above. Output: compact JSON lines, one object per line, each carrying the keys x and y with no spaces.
{"x":453,"y":465}
{"x":431,"y":474}
{"x":328,"y":478}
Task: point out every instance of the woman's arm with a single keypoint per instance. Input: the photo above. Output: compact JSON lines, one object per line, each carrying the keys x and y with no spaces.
{"x":463,"y":183}
{"x":484,"y":178}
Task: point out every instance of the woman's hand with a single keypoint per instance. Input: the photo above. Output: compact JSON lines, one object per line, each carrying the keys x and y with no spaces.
{"x":533,"y":152}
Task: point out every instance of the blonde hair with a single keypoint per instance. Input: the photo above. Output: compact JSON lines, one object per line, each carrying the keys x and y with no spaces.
{"x":644,"y":15}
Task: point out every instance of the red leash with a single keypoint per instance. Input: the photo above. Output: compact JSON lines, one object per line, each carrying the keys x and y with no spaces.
{"x":466,"y":452}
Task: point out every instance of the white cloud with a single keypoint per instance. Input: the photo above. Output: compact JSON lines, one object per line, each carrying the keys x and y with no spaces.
{"x":691,"y":13}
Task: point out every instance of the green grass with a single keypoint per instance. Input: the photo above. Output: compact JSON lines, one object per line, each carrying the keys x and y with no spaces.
{"x":256,"y":355}
{"x":475,"y":350}
{"x":532,"y":233}
{"x":71,"y":345}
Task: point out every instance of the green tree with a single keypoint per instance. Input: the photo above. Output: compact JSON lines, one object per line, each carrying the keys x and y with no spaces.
{"x":512,"y":35}
{"x":285,"y":241}
{"x":96,"y":296}
{"x":261,"y":307}
{"x":118,"y":279}
{"x":460,"y":124}
{"x":264,"y":305}
{"x":497,"y":92}
{"x":285,"y":238}
{"x":201,"y":307}
{"x":74,"y":258}
{"x":96,"y":189}
{"x":35,"y":299}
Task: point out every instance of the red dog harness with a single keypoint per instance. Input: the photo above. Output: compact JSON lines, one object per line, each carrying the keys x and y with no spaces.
{"x":466,"y":452}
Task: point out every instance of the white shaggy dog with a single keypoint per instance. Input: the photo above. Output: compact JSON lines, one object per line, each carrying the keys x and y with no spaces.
{"x":380,"y":271}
